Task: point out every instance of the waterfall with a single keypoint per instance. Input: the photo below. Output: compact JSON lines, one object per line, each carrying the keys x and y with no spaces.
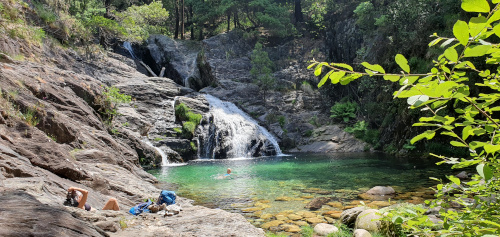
{"x":164,"y":157}
{"x":231,"y":133}
{"x":128,"y":47}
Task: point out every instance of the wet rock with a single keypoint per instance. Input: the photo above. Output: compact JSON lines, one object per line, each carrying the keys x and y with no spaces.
{"x":301,"y":223}
{"x":266,"y":216}
{"x":294,"y":217}
{"x":361,"y":233}
{"x":284,"y":198}
{"x":379,"y":204}
{"x":281,"y":218}
{"x":370,"y":197}
{"x":317,"y":203}
{"x":270,"y":224}
{"x":323,"y":229}
{"x":306,"y":214}
{"x":315,"y":220}
{"x":252,"y":209}
{"x":333,"y":214}
{"x":338,"y":205}
{"x":290,"y":228}
{"x":348,"y":217}
{"x":381,"y":190}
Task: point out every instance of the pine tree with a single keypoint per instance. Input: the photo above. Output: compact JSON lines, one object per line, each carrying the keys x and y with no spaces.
{"x":262,"y":69}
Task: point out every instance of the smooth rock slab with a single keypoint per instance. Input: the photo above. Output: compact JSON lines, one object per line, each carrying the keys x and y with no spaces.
{"x":325,"y":229}
{"x":291,"y":228}
{"x":23,"y":215}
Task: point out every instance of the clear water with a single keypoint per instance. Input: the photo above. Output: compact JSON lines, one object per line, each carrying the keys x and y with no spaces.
{"x":345,"y":175}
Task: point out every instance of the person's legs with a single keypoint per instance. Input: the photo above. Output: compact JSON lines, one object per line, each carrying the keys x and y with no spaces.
{"x":112,"y":204}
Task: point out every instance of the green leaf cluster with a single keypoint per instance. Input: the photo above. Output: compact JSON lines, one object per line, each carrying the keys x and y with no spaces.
{"x":188,"y":119}
{"x":344,"y":112}
{"x":472,"y":123}
{"x":262,"y":69}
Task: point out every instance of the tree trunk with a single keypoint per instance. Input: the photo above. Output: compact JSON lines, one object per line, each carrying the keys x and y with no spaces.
{"x":235,"y":19}
{"x":182,"y":19}
{"x":176,"y":34}
{"x":228,"y":21}
{"x":299,"y":17}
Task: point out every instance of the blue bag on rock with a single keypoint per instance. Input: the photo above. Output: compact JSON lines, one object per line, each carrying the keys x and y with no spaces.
{"x":167,"y":197}
{"x":140,"y":208}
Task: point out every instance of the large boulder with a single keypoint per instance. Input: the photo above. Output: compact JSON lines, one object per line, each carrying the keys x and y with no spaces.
{"x":348,"y":217}
{"x":369,"y":220}
{"x":381,"y":190}
{"x":361,"y":233}
{"x":323,"y":229}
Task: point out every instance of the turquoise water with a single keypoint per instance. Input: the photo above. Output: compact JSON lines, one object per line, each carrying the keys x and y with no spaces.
{"x":342,"y":176}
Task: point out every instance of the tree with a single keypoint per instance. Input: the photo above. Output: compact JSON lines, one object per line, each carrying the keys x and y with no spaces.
{"x":474,"y":125}
{"x":261,"y":70}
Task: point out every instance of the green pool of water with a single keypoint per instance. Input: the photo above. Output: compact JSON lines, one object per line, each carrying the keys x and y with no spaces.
{"x":341,"y":176}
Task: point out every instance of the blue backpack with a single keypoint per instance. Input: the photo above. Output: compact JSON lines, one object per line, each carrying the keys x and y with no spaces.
{"x":140,"y":208}
{"x":167,"y":197}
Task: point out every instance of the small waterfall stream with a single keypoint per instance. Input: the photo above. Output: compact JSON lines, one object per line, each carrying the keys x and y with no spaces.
{"x":164,"y":157}
{"x":128,"y":47}
{"x":231,"y":133}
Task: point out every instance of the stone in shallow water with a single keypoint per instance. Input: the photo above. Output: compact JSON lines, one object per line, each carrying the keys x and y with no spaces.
{"x":330,"y":220}
{"x":252,"y":209}
{"x":367,"y":196}
{"x":307,"y":196}
{"x":290,"y":228}
{"x":281,"y":218}
{"x":379,"y":204}
{"x":317,"y":203}
{"x":301,"y":223}
{"x":315,"y":220}
{"x":266,"y":216}
{"x":335,"y":204}
{"x":333,"y":214}
{"x":294,"y":217}
{"x":284,"y":198}
{"x":306,"y":214}
{"x":270,"y":224}
{"x":381,"y":190}
{"x":264,"y":201}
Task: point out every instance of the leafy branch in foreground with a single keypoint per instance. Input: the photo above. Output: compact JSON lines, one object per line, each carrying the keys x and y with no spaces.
{"x":476,"y":127}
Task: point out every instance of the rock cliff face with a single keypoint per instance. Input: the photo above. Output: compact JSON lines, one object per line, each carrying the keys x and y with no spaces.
{"x":53,"y":136}
{"x":227,"y":56}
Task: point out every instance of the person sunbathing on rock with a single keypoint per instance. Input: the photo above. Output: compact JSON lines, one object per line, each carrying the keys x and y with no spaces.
{"x":77,"y":197}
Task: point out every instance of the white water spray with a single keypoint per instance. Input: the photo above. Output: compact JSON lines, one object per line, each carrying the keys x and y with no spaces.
{"x":236,"y":133}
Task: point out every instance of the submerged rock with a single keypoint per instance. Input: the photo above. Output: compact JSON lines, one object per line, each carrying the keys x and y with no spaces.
{"x":317,"y":203}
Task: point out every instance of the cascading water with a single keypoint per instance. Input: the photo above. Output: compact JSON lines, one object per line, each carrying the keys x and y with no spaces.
{"x":164,"y":157}
{"x":128,"y":47}
{"x":231,"y":133}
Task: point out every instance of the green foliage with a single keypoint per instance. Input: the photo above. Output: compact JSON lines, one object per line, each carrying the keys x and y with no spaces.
{"x":262,"y":69}
{"x":106,"y":27}
{"x":307,"y":231}
{"x":188,"y":119}
{"x":473,"y":126}
{"x":282,"y":121}
{"x":309,"y":133}
{"x":52,"y":137}
{"x":141,"y":21}
{"x":110,"y":99}
{"x":344,"y":111}
{"x":344,"y":231}
{"x":193,"y":146}
{"x":45,"y":13}
{"x":29,"y":115}
{"x":271,"y":234}
{"x":314,"y":121}
{"x":365,"y":12}
{"x":412,"y":215}
{"x":360,"y":130}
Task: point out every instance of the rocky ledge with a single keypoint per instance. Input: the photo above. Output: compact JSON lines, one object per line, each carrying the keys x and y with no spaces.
{"x":53,"y":135}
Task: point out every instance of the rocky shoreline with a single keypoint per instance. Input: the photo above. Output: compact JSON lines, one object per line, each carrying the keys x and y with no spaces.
{"x":52,"y":136}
